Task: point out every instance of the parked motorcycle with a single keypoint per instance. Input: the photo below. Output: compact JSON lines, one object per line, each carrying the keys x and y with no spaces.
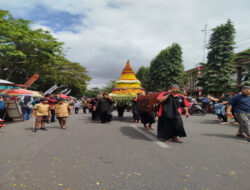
{"x":196,"y":109}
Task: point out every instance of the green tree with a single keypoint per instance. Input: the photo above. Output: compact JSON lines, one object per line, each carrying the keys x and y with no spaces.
{"x":167,"y":68}
{"x":143,"y":74}
{"x":109,"y":87}
{"x":93,"y":92}
{"x":24,"y":51}
{"x":216,"y":78}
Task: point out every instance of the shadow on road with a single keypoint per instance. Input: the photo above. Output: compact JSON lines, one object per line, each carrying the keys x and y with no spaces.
{"x":209,"y":122}
{"x":132,"y":133}
{"x":126,"y":119}
{"x":223,"y":136}
{"x":47,"y":126}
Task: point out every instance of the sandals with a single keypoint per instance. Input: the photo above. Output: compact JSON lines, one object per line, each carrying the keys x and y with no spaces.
{"x":240,"y":135}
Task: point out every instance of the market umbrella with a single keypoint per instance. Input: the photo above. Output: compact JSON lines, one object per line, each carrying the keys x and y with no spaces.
{"x":20,"y":92}
{"x":5,"y":82}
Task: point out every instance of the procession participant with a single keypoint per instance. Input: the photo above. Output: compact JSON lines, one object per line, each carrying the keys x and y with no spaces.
{"x":63,"y":110}
{"x":110,"y":110}
{"x":241,"y":104}
{"x":94,"y":108}
{"x":147,"y":118}
{"x":104,"y":106}
{"x":52,"y":102}
{"x":170,"y":124}
{"x":135,"y":111}
{"x":42,"y":113}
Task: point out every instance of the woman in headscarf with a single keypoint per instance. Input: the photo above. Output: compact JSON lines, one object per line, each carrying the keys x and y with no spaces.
{"x":170,"y":125}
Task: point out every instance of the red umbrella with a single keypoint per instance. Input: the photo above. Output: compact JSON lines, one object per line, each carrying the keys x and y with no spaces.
{"x":64,"y":96}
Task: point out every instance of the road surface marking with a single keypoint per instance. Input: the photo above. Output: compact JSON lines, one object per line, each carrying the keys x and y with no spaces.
{"x":151,"y":137}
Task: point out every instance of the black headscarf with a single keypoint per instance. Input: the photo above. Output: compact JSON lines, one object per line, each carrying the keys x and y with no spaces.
{"x":26,"y":100}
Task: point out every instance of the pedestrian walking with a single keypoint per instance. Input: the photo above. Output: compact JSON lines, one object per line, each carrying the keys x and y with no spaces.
{"x":170,"y":124}
{"x":95,"y":108}
{"x":27,"y":104}
{"x":63,"y":110}
{"x":135,"y":111}
{"x":42,"y":113}
{"x":2,"y":108}
{"x":147,"y":118}
{"x":85,"y":105}
{"x":241,"y":106}
{"x":77,"y":106}
{"x":105,"y":106}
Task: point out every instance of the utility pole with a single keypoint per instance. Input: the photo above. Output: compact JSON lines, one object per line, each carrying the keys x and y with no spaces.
{"x":205,"y":42}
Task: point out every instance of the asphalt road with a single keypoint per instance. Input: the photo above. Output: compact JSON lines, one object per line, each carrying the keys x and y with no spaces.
{"x":122,"y":156}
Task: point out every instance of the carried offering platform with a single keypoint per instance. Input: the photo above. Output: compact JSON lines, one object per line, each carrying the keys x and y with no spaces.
{"x":127,"y":87}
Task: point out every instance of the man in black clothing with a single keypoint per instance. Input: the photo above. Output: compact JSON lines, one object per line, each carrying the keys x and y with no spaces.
{"x":106,"y":107}
{"x":135,"y":111}
{"x":94,"y":108}
{"x":170,"y":125}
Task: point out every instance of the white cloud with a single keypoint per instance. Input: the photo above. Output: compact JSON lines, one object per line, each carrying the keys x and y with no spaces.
{"x":138,"y":30}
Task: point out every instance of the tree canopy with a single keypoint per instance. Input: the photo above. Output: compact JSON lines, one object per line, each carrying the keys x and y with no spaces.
{"x":167,"y":68}
{"x":24,"y":51}
{"x":216,"y":78}
{"x":143,"y":74}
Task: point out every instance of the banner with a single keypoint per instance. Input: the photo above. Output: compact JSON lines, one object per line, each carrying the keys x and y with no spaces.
{"x":67,"y":93}
{"x":52,"y":89}
{"x":31,"y":80}
{"x":63,"y":91}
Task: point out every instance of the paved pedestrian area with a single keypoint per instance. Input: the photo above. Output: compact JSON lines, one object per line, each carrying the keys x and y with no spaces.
{"x":122,"y":156}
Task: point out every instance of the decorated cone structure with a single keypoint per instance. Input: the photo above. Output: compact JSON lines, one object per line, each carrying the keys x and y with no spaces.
{"x":127,"y":87}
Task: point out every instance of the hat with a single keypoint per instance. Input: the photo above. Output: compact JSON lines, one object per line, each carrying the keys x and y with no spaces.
{"x":246,"y":87}
{"x":61,"y":99}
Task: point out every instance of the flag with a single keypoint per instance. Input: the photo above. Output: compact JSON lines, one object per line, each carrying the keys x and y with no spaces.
{"x":63,"y":91}
{"x":31,"y":80}
{"x":67,"y":93}
{"x":52,"y":89}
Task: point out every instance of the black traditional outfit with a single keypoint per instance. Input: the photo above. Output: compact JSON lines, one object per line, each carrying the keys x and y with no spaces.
{"x":135,"y":111}
{"x":147,"y":118}
{"x":105,"y":107}
{"x":170,"y":122}
{"x":94,"y":109}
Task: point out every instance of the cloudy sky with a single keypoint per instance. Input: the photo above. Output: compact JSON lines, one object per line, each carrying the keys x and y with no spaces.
{"x":103,"y":34}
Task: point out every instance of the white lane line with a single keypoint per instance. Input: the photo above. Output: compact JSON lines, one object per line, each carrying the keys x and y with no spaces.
{"x":152,"y":138}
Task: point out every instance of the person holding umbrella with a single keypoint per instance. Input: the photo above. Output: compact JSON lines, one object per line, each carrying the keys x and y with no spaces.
{"x":42,"y":113}
{"x":63,"y":110}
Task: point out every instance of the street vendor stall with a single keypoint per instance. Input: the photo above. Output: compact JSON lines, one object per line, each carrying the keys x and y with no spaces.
{"x":11,"y":105}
